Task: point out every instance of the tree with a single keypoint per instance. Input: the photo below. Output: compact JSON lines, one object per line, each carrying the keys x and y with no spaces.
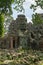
{"x":37,"y":19}
{"x":38,"y":3}
{"x":1,"y":25}
{"x":6,"y":9}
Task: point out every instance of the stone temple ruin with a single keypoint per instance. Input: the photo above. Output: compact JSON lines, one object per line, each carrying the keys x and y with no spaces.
{"x":23,"y":34}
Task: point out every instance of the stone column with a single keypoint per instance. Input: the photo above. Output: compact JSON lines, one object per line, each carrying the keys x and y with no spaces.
{"x":11,"y":42}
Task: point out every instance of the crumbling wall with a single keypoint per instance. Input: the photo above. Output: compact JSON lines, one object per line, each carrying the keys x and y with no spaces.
{"x":36,"y":36}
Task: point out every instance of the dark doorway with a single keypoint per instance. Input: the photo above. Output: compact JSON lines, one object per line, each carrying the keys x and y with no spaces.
{"x":18,"y":41}
{"x":13,"y":43}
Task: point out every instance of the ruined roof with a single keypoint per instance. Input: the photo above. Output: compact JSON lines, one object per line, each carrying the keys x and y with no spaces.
{"x":17,"y":24}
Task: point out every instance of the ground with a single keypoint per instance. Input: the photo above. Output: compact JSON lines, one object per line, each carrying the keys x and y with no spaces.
{"x":21,"y":57}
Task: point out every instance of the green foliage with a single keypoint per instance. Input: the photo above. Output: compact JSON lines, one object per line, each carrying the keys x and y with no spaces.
{"x":19,"y":5}
{"x":37,"y":19}
{"x":38,"y":3}
{"x":5,"y":6}
{"x":6,"y":9}
{"x":1,"y":25}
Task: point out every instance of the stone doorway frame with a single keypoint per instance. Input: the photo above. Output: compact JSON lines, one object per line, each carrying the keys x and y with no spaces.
{"x":11,"y":42}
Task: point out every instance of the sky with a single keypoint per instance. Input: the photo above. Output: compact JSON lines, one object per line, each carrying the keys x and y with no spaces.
{"x":28,"y":12}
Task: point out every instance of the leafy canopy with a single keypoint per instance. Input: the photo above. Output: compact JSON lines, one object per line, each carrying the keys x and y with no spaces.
{"x":37,"y":18}
{"x":38,"y":3}
{"x":6,"y":8}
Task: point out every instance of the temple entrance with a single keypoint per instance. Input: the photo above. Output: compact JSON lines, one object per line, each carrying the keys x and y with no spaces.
{"x":14,"y":42}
